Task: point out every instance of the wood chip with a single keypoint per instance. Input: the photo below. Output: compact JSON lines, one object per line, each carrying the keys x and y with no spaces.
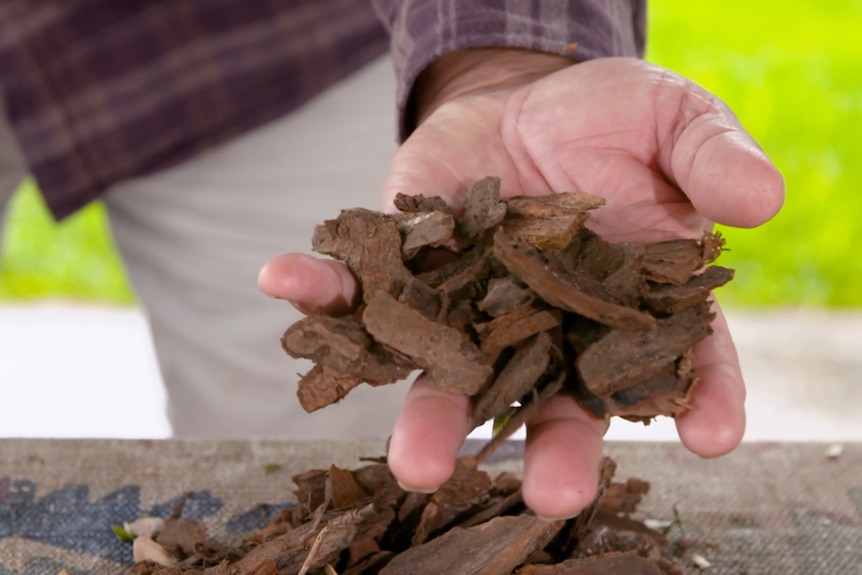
{"x":495,"y":547}
{"x":549,"y":222}
{"x":483,"y":209}
{"x":424,"y":229}
{"x":452,"y":361}
{"x":515,"y":326}
{"x":564,"y":292}
{"x":516,"y":379}
{"x":629,"y":563}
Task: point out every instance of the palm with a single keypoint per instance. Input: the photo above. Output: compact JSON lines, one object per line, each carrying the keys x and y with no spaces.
{"x":605,"y":127}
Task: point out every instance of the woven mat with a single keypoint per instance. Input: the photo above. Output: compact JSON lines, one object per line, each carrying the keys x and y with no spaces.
{"x":771,"y":508}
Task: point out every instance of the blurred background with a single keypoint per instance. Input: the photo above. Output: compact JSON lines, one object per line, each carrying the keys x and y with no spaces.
{"x":791,"y":70}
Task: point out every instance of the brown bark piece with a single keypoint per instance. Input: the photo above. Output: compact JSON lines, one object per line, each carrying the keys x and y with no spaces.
{"x":666,"y":299}
{"x":474,"y":270}
{"x":551,"y":205}
{"x":552,"y":233}
{"x":310,"y":491}
{"x":496,"y":547}
{"x":420,"y":203}
{"x":376,"y":478}
{"x":462,"y":317}
{"x":624,"y":498}
{"x":504,"y":295}
{"x":422,"y":298}
{"x":665,"y":393}
{"x":591,"y":255}
{"x":424,"y":229}
{"x":372,"y":564}
{"x":608,"y":564}
{"x":616,"y":532}
{"x":346,"y":492}
{"x":180,"y":537}
{"x":483,"y":209}
{"x":549,"y":286}
{"x":370,"y":244}
{"x":617,"y":267}
{"x":623,"y":358}
{"x":453,"y":362}
{"x":362,"y":549}
{"x":515,"y":380}
{"x":515,"y":326}
{"x":291,"y":550}
{"x":501,"y":507}
{"x":320,"y":387}
{"x":462,"y":265}
{"x":461,"y":289}
{"x":343,"y":347}
{"x":675,"y":261}
{"x":549,"y":222}
{"x":464,"y":492}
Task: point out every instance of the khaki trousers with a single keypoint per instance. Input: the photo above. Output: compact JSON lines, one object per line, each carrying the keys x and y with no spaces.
{"x":194,"y":237}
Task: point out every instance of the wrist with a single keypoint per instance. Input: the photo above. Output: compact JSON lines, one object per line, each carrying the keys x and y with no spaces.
{"x":473,"y":71}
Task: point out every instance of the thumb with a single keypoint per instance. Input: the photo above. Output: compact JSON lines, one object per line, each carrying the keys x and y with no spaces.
{"x":715,"y":162}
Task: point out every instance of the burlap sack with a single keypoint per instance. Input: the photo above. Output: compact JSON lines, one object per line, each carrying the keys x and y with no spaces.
{"x":783,"y":509}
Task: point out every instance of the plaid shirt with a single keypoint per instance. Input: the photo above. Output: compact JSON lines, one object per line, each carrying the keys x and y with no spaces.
{"x":99,"y":91}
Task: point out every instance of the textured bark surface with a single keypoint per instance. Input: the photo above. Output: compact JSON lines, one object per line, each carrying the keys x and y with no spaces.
{"x":620,"y":319}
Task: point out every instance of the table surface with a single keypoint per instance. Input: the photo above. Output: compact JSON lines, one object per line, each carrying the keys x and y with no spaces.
{"x":772,"y":508}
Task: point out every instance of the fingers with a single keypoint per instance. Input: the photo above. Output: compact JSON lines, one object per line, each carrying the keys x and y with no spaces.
{"x":715,"y":423}
{"x":427,"y":436}
{"x":311,"y":284}
{"x":564,"y":448}
{"x":561,"y":462}
{"x":715,"y":162}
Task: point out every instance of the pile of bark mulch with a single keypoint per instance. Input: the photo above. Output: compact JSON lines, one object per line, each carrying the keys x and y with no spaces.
{"x":529,"y":304}
{"x":360,"y":523}
{"x":509,"y":302}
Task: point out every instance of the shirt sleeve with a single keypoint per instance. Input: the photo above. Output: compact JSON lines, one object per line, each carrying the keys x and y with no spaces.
{"x":423,"y":30}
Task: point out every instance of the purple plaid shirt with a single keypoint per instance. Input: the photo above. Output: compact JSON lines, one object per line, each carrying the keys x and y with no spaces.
{"x":99,"y":91}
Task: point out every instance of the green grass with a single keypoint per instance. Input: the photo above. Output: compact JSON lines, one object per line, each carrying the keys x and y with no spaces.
{"x":74,"y":260}
{"x":790,"y":70}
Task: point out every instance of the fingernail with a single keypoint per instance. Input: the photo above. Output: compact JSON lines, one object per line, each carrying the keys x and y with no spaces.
{"x":415,"y":490}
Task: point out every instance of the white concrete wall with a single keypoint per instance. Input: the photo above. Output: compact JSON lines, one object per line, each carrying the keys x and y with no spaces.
{"x":84,"y":371}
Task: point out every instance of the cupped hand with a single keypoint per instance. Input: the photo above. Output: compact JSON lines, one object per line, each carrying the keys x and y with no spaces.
{"x":669,"y":158}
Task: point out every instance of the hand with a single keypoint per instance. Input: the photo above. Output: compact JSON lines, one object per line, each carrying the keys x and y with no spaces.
{"x":670,"y":159}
